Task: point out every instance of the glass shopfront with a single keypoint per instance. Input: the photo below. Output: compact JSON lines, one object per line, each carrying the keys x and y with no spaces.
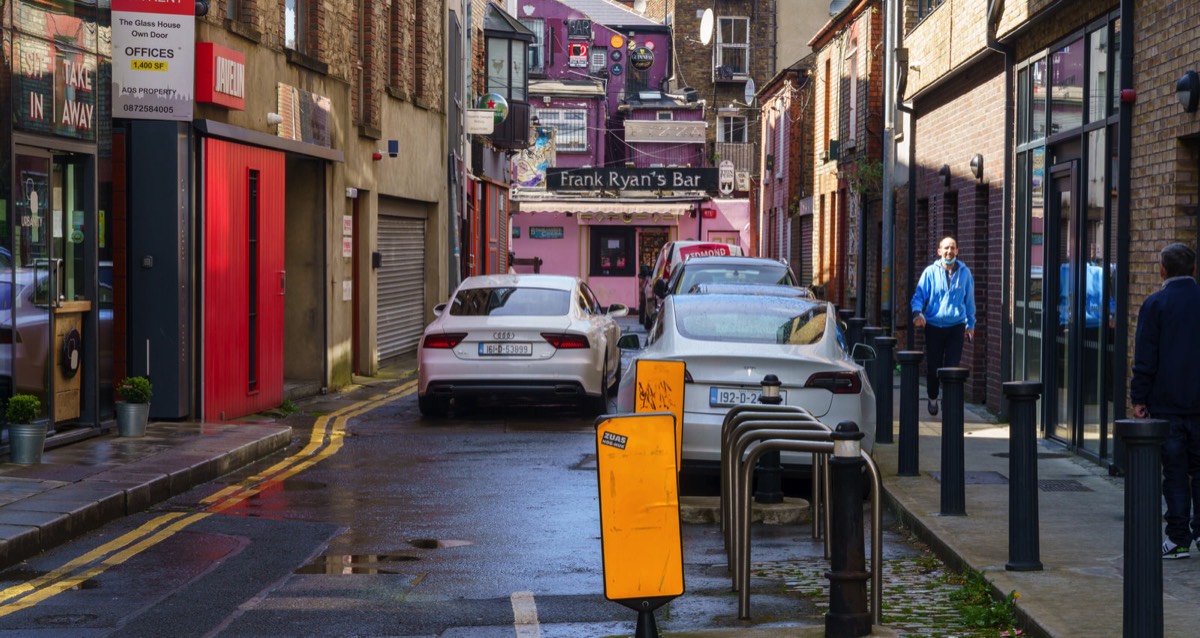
{"x":56,"y":281}
{"x":1065,"y":242}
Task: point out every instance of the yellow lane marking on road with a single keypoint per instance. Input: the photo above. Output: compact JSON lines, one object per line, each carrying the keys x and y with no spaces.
{"x":525,"y":618}
{"x":162,"y":527}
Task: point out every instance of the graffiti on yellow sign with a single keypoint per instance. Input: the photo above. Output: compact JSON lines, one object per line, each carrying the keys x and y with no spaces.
{"x":639,"y":507}
{"x":660,"y":389}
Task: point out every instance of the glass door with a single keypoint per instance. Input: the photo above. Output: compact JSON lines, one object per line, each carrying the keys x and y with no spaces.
{"x":28,"y":304}
{"x":1061,"y":275}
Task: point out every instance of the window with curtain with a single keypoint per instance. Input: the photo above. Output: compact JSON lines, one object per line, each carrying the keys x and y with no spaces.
{"x":537,"y":48}
{"x":733,"y":49}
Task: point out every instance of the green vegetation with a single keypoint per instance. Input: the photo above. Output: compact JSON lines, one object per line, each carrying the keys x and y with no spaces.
{"x":135,"y":390}
{"x":23,"y":408}
{"x":979,"y":608}
{"x":288,"y":407}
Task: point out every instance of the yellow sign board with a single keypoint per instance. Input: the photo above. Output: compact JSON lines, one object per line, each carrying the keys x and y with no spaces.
{"x":639,"y":506}
{"x":660,"y":389}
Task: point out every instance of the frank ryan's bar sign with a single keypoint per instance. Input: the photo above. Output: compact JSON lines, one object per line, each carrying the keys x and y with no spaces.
{"x":639,"y":179}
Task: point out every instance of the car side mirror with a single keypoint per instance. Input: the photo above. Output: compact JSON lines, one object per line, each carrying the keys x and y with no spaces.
{"x":439,"y":309}
{"x":660,"y":288}
{"x":617,"y":310}
{"x":862,"y":352}
{"x":629,"y":342}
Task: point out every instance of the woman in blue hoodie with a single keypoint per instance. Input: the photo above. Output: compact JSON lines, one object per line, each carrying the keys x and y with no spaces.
{"x":944,"y":305}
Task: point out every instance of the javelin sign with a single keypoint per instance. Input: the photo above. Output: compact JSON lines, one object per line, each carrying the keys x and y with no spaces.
{"x":153,"y":59}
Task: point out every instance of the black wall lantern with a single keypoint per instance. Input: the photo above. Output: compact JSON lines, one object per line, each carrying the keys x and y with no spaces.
{"x":944,"y":173}
{"x":1187,"y":89}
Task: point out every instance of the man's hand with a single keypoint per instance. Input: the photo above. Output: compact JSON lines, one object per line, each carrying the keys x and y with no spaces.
{"x":1140,"y":411}
{"x":919,"y":320}
{"x":970,"y":336}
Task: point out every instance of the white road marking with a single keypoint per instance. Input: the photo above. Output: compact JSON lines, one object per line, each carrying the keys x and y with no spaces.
{"x":525,"y":619}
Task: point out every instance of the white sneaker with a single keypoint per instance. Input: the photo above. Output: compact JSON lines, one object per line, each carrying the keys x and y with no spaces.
{"x":1171,"y":551}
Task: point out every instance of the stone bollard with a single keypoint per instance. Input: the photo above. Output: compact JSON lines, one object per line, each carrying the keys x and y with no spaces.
{"x":910,"y":435}
{"x":854,"y":331}
{"x":1023,"y":544}
{"x":848,"y":616}
{"x":883,"y":382}
{"x":1143,"y":612}
{"x":954,"y":493}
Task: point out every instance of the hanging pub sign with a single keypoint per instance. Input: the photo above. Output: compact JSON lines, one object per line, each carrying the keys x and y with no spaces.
{"x":651,"y":179}
{"x":153,"y":53}
{"x":578,"y":52}
{"x":54,"y":89}
{"x":641,"y":58}
{"x":579,"y":29}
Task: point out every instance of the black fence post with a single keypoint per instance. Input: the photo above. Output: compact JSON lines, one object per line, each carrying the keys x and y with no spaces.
{"x":1023,"y":543}
{"x":844,"y":314}
{"x":1143,"y":613}
{"x":954,"y":493}
{"x":854,"y":331}
{"x":910,"y":435}
{"x":883,"y":382}
{"x":848,"y":616}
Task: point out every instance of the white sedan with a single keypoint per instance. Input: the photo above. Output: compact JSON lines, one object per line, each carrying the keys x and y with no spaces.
{"x":729,"y":342}
{"x":539,"y":337}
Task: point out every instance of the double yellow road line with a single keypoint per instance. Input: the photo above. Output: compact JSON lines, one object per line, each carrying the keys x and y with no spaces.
{"x":328,"y":433}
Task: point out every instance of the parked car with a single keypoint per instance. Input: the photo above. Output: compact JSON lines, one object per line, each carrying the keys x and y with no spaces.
{"x":730,"y":342}
{"x":796,"y":292}
{"x":671,"y":254}
{"x":520,"y":337}
{"x":726,"y":270}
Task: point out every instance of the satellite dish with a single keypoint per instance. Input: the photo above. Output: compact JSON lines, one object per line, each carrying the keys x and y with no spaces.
{"x":748,"y":98}
{"x":639,"y":6}
{"x":706,"y":27}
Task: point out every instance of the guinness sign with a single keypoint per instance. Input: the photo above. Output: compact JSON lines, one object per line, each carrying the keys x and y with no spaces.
{"x":641,"y":58}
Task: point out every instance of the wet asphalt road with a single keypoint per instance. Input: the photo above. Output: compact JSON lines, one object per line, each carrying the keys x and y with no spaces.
{"x":414,"y":527}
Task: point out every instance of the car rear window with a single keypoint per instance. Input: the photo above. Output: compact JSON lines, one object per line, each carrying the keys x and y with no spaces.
{"x":510,"y":302}
{"x":694,"y":275}
{"x":748,"y":319}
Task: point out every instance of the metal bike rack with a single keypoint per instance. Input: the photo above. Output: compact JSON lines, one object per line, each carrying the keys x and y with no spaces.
{"x":745,"y":412}
{"x":815,"y":445}
{"x":780,"y":425}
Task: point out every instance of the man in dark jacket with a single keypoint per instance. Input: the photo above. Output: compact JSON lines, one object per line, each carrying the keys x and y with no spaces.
{"x":1166,"y":385}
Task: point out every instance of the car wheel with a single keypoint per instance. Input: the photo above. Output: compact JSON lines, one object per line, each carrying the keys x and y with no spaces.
{"x":433,"y":407}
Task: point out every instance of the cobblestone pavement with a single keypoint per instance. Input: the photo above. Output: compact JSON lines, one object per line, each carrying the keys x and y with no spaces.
{"x":917,"y":590}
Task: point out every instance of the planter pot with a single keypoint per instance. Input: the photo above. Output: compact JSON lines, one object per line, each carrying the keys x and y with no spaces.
{"x":26,"y":442}
{"x":132,"y":418}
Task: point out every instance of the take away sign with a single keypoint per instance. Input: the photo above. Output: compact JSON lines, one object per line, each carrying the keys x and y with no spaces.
{"x":639,"y":509}
{"x":660,"y":389}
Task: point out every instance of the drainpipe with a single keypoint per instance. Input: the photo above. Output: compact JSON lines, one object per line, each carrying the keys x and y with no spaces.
{"x":909,"y":336}
{"x":1124,"y":163}
{"x":887,"y":239}
{"x":1005,"y":190}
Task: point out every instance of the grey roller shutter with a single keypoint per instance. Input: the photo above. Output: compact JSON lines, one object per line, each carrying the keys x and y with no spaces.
{"x":401,"y":285}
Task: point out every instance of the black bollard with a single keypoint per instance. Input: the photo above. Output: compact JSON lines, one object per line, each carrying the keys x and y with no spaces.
{"x":854,"y":332}
{"x":869,"y":334}
{"x":883,"y":382}
{"x":954,"y":492}
{"x":844,"y":314}
{"x":1023,"y":548}
{"x":848,"y":615}
{"x":910,"y":435}
{"x":1143,"y":438}
{"x":768,"y":474}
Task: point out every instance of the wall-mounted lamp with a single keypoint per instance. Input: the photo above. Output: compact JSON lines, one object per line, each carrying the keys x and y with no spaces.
{"x":1187,"y":89}
{"x":977,"y":166}
{"x":274,"y":119}
{"x":944,"y":173}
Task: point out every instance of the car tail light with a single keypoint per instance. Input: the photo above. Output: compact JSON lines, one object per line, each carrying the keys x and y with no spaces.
{"x":443,"y":341}
{"x":835,"y":382}
{"x":566,"y":341}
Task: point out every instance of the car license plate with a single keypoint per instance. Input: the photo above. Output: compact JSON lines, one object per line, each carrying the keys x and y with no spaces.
{"x":505,"y":349}
{"x":726,"y":397}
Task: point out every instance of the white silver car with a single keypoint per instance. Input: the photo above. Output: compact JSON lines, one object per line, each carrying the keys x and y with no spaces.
{"x":730,"y":342}
{"x":526,"y":337}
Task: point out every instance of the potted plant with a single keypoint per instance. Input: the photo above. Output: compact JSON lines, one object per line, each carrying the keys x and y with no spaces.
{"x":133,"y":410}
{"x":26,"y":439}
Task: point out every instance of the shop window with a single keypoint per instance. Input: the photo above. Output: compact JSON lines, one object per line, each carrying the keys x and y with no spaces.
{"x":612,"y":252}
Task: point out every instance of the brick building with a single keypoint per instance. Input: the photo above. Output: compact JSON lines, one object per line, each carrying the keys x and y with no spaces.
{"x":785,"y":199}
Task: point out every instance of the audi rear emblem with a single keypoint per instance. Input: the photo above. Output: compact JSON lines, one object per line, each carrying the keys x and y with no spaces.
{"x":503,"y":335}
